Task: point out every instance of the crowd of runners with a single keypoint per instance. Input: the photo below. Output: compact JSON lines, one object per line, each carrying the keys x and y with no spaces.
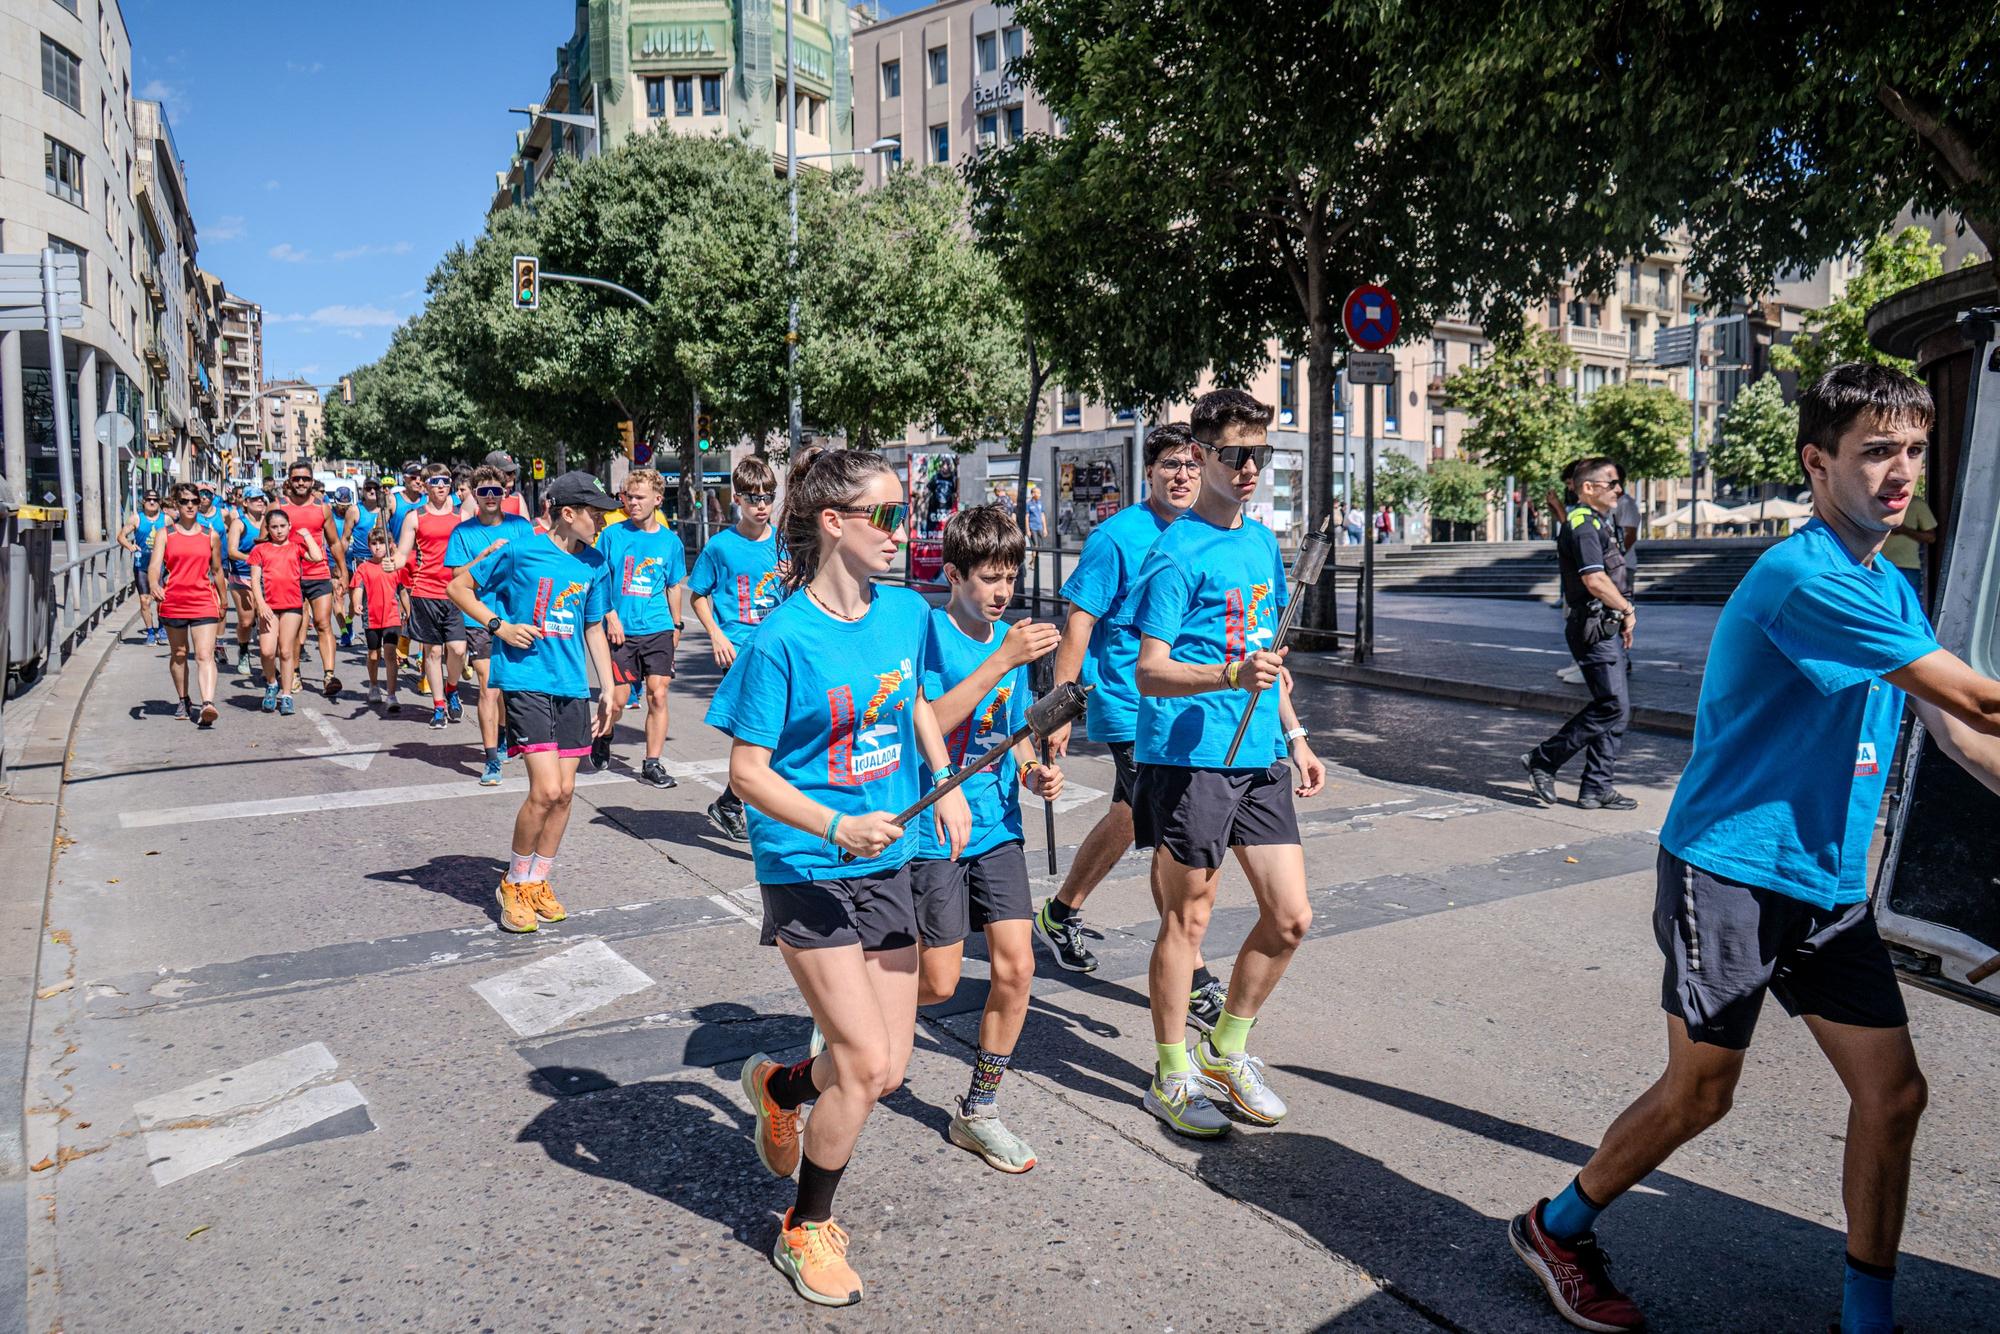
{"x":847,"y":699}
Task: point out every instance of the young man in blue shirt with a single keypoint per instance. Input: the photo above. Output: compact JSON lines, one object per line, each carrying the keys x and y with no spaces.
{"x":1762,"y":877}
{"x":648,"y":566}
{"x":543,"y":599}
{"x":493,"y":525}
{"x":1206,"y":609}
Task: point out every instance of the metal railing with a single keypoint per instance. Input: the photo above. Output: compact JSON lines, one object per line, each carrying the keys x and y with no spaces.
{"x":86,"y":591}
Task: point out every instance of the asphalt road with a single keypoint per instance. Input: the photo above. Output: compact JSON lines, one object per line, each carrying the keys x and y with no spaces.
{"x":300,"y":1079}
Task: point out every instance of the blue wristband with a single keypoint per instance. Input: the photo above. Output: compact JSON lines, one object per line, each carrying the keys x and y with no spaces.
{"x":832,"y":827}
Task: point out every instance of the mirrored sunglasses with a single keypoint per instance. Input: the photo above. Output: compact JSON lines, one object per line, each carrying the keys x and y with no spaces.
{"x":887,"y":518}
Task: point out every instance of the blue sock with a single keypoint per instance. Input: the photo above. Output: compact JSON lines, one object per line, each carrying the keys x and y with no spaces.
{"x":1570,"y":1214}
{"x":1868,"y":1299}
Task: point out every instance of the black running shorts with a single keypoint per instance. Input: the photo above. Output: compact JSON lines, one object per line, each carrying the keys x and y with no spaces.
{"x":315,"y":588}
{"x":637,"y":657}
{"x":1125,"y":774}
{"x":478,"y":643}
{"x":1197,"y":815}
{"x":188,"y":622}
{"x":872,"y":911}
{"x":376,"y":638}
{"x":1727,"y":943}
{"x":538,"y":723}
{"x":435,"y":621}
{"x":954,"y":899}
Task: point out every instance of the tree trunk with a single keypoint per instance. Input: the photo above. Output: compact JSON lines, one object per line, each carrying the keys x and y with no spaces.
{"x":1321,"y":611}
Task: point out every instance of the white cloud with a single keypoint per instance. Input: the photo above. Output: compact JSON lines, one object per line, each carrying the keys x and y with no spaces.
{"x":354,"y":317}
{"x":168,"y":95}
{"x":294,"y":67}
{"x":287,"y":253}
{"x":228,"y":227}
{"x":272,"y":317}
{"x":270,"y":185}
{"x":307,"y":372}
{"x":365,"y":251}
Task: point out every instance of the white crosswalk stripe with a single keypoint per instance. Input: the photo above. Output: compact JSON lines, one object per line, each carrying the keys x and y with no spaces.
{"x":549,"y":992}
{"x":215,"y":1120}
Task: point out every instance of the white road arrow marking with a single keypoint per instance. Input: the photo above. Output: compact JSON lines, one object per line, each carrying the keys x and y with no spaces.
{"x":337,"y":747}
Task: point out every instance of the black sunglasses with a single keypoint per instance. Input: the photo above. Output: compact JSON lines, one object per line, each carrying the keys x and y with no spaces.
{"x":888,"y":518}
{"x":1233,"y":457}
{"x":437,"y":481}
{"x":489,"y":490}
{"x":755,"y":498}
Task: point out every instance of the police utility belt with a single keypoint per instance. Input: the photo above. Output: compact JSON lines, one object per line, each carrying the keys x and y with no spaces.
{"x":1597,"y":622}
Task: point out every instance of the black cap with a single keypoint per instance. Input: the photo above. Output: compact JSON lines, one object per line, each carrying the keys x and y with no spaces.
{"x":579,"y":488}
{"x":502,"y":460}
{"x":412,"y":469}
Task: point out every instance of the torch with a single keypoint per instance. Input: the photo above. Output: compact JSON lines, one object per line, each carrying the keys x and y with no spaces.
{"x":1305,"y":573}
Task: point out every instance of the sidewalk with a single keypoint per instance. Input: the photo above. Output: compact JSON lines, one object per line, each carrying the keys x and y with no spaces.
{"x":1507,"y":652}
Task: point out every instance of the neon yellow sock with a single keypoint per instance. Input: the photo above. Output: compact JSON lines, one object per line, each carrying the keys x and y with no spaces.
{"x":1173,"y":1057}
{"x":1232,"y":1033}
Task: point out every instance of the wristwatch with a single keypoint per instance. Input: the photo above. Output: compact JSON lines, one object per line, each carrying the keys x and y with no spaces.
{"x":493,"y":626}
{"x":1295,"y":734}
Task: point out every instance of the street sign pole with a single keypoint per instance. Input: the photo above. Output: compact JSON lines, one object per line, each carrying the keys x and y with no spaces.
{"x":59,"y":394}
{"x":1372,"y":320}
{"x":1364,"y":624}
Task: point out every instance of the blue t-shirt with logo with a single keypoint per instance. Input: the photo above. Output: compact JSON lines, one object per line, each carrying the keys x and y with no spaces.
{"x":560,"y":593}
{"x":740,"y":577}
{"x":472,"y":537}
{"x":1213,"y":594}
{"x":992,"y":794}
{"x":143,"y":533}
{"x":1795,"y":729}
{"x":833,"y":702}
{"x":643,"y":567}
{"x":1101,"y":584}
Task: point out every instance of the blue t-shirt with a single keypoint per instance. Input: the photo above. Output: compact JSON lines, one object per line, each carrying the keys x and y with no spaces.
{"x":643,"y":567}
{"x":358,"y":528}
{"x":560,"y":593}
{"x":740,"y":577}
{"x":992,"y":793}
{"x":217,"y":522}
{"x":251,"y":535}
{"x":832,"y":700}
{"x":1101,"y":584}
{"x":472,"y":537}
{"x":1795,"y":730}
{"x":143,"y":534}
{"x":401,"y":507}
{"x":1213,"y":594}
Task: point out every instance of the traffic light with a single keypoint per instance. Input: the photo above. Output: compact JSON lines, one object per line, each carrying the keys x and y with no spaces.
{"x":347,"y":390}
{"x":703,"y":438}
{"x":628,"y":438}
{"x":527,"y":282}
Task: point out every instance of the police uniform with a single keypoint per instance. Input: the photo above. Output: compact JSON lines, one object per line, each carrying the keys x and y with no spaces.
{"x":1589,"y":543}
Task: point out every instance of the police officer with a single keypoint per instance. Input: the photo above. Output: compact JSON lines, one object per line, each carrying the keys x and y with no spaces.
{"x":1599,"y":617}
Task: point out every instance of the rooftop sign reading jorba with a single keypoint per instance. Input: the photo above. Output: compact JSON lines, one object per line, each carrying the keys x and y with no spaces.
{"x":706,"y":41}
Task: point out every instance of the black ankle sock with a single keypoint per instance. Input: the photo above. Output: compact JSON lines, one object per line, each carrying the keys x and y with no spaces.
{"x":1202,"y":977}
{"x":1062,"y":912}
{"x":791,"y":1085}
{"x":1886,"y":1274}
{"x":816,"y":1187}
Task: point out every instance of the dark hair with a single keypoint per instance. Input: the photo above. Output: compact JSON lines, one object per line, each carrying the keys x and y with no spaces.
{"x":488,"y":475}
{"x":754,"y":475}
{"x":298,"y":465}
{"x":436,"y":470}
{"x":1166,"y":439}
{"x":1832,"y":403}
{"x":983,"y":535}
{"x":821,"y":479}
{"x":1582,"y":468}
{"x":277,"y":512}
{"x":188,"y":489}
{"x":1221,"y":408}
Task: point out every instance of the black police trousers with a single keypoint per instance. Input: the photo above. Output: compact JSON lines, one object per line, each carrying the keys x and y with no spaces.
{"x":1597,"y":729}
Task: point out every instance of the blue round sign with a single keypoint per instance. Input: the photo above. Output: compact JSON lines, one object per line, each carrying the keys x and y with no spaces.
{"x":1371,"y":317}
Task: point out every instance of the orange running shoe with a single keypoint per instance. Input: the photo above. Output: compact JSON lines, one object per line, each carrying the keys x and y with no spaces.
{"x":814,"y":1257}
{"x":777,"y":1129}
{"x":517,"y":907}
{"x":543,"y":900}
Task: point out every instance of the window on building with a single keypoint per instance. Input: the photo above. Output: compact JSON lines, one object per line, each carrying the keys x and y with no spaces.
{"x":1632,"y":283}
{"x":815,"y":112}
{"x":1633,"y":327}
{"x":1477,"y":356}
{"x":1010,"y":44}
{"x":62,"y":74}
{"x":1594,"y":313}
{"x":987,"y":47}
{"x":62,"y":247}
{"x":711,"y":94}
{"x":1016,"y":127}
{"x":63,"y":166}
{"x":892,"y":78}
{"x":1617,"y":374}
{"x":940,"y":67}
{"x":894,"y":155}
{"x":1593,"y":380}
{"x":1555,"y":312}
{"x":1576,"y":313}
{"x":1666,"y":289}
{"x":784,"y":102}
{"x":989,"y":129}
{"x":1072,"y":408}
{"x":104,"y":115}
{"x":941,"y":143}
{"x":683,"y":95}
{"x":656,"y":97}
{"x":1439,"y":358}
{"x":1124,"y":415}
{"x":70,"y":5}
{"x":1437,"y":443}
{"x":1391,"y":420}
{"x":1288,"y":392}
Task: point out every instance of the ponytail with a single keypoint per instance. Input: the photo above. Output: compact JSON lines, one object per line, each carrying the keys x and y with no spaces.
{"x":820,"y":479}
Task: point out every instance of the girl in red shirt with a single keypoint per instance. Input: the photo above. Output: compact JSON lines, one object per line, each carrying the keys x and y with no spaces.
{"x":385,"y":614}
{"x":186,"y":573}
{"x":277,"y":564}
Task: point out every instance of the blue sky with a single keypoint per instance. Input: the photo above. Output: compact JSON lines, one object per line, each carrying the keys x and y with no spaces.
{"x":334,"y":151}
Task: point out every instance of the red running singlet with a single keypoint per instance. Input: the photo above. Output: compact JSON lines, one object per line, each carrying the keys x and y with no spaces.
{"x":310,"y":519}
{"x":186,"y":593}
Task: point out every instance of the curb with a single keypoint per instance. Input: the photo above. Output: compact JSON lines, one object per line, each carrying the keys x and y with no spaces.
{"x":1671,"y":721}
{"x":29,"y":823}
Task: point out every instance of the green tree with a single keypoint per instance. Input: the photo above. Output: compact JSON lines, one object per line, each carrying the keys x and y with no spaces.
{"x":1758,"y":437}
{"x":1459,"y":492}
{"x":1399,"y":482}
{"x":1642,"y":426}
{"x":1839,"y":331}
{"x":1524,"y":423}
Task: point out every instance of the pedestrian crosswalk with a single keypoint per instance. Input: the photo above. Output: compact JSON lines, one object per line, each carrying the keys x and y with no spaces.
{"x":268,"y":1104}
{"x":539,"y":997}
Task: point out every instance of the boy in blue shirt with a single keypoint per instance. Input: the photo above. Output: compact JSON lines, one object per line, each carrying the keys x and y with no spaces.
{"x":1762,"y":876}
{"x":543,"y":600}
{"x":648,"y":566}
{"x":1206,"y":609}
{"x":492,"y":525}
{"x":737,"y":581}
{"x":977,"y":682}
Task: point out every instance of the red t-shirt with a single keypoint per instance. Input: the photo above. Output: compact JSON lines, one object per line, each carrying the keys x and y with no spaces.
{"x":283,"y":565}
{"x":379,"y":587}
{"x":311,"y":519}
{"x":432,"y":577}
{"x":186,"y":592}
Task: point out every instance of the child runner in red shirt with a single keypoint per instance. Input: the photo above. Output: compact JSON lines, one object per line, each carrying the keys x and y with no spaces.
{"x":277,"y":590}
{"x":385,"y":616}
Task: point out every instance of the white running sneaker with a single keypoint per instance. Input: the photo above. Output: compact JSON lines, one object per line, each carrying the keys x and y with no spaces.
{"x":1240,"y":1076}
{"x":374,"y":694}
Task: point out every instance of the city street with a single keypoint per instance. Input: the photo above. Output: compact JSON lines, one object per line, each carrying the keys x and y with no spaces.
{"x":301,"y":1079}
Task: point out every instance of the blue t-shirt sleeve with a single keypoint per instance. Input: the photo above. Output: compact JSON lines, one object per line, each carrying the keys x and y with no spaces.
{"x":1017,"y":698}
{"x":489,"y":572}
{"x":1162,"y":600}
{"x":677,"y":562}
{"x":750,"y":705}
{"x":701,"y":582}
{"x":1094,"y":582}
{"x":1834,"y":630}
{"x":931,"y":678}
{"x":598,"y":601}
{"x":1283,"y":589}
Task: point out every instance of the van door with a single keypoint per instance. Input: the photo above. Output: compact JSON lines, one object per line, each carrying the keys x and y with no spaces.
{"x":1937,"y":894}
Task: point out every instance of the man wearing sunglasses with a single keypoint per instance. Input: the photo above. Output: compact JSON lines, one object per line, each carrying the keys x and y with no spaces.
{"x":503,"y":463}
{"x":1597,"y":601}
{"x":322,"y":579}
{"x":137,"y":537}
{"x":1206,"y":610}
{"x":435,"y":621}
{"x":472,"y":541}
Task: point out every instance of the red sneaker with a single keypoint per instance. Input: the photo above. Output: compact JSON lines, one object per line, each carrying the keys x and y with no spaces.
{"x":1576,"y":1275}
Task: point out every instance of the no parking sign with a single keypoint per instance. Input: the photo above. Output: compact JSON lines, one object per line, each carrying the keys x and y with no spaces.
{"x":1371,"y":317}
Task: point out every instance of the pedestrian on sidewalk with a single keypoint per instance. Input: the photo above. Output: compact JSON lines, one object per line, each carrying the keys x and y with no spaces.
{"x":1357,"y":522}
{"x":1598,"y":622}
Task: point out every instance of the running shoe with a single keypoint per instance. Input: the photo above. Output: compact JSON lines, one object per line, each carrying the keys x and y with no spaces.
{"x":395,"y":705}
{"x":1181,"y":1100}
{"x":332,"y":688}
{"x":1542,"y":780}
{"x":490,"y":775}
{"x":637,"y":698}
{"x":454,"y":708}
{"x":1205,"y":1004}
{"x":1064,"y":941}
{"x":517,"y":907}
{"x":1608,"y":801}
{"x":208,"y":715}
{"x":243,"y":662}
{"x":1240,"y":1076}
{"x":270,"y":704}
{"x":182,"y":710}
{"x":600,"y":753}
{"x":777,"y":1129}
{"x":729,"y":822}
{"x":814,"y":1257}
{"x":438,"y":717}
{"x":543,"y":899}
{"x":284,"y":706}
{"x":977,"y":1128}
{"x":654,"y":772}
{"x":1576,"y":1274}
{"x":346,"y":639}
{"x":374,"y":694}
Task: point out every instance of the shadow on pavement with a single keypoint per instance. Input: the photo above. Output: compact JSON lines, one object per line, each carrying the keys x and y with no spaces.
{"x":678,"y":829}
{"x":470,"y":880}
